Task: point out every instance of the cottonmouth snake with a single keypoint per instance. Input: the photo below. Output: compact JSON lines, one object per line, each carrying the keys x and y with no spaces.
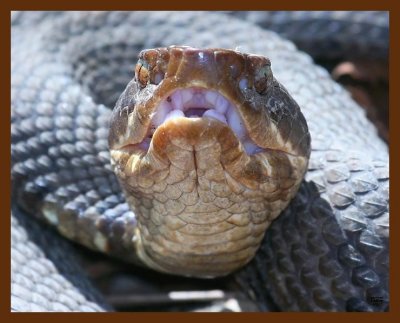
{"x":327,"y":251}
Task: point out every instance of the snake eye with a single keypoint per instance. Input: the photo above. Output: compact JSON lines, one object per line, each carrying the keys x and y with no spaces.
{"x":261,"y":67}
{"x":142,"y":73}
{"x":261,"y":78}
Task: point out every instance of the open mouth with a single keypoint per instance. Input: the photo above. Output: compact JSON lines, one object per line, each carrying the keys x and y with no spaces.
{"x":200,"y":103}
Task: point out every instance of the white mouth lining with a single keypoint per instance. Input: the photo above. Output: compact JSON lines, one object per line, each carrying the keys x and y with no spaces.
{"x":198,"y":103}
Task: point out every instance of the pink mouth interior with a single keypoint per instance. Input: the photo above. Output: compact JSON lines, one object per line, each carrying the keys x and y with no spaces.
{"x":199,"y":103}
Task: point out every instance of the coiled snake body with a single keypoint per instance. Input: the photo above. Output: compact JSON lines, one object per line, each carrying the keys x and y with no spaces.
{"x":327,"y":251}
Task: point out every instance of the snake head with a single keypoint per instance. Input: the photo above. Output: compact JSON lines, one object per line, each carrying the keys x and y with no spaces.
{"x":208,"y":148}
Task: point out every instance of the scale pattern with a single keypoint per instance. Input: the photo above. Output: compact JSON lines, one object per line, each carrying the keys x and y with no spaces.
{"x":328,"y":251}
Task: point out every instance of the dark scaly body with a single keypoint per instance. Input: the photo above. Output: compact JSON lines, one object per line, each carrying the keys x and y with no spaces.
{"x":55,"y":79}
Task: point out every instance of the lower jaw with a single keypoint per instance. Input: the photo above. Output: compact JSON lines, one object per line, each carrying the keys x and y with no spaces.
{"x":194,"y":219}
{"x":192,"y":133}
{"x":196,"y":132}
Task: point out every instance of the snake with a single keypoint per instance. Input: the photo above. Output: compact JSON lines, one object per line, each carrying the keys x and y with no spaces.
{"x":208,"y":150}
